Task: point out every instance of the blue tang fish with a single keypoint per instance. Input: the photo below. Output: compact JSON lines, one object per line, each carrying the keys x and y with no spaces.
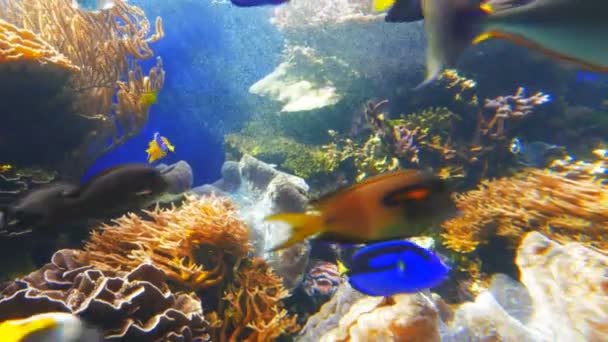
{"x":392,"y":267}
{"x":93,"y":5}
{"x":253,"y":3}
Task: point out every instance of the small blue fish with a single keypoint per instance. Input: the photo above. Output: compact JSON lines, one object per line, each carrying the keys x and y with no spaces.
{"x":93,"y":5}
{"x":253,"y":3}
{"x":392,"y":267}
{"x":534,"y":154}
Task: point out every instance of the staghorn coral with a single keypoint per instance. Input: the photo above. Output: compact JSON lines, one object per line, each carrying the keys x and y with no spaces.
{"x":509,"y":107}
{"x":104,"y":47}
{"x":254,"y":311}
{"x":565,"y":209}
{"x":192,"y":245}
{"x":128,"y":306}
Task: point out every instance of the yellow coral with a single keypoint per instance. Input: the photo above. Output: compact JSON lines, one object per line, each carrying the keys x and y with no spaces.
{"x":23,"y":45}
{"x":189,"y":244}
{"x":565,"y":209}
{"x":255,"y":312}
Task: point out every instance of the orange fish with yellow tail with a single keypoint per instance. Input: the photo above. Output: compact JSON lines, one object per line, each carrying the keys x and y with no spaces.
{"x":394,"y":205}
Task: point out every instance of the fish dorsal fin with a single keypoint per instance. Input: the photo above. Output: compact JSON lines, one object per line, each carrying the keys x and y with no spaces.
{"x":322,"y":201}
{"x":98,"y":175}
{"x":537,"y":46}
{"x":383,"y":5}
{"x":365,"y":256}
{"x":405,"y":11}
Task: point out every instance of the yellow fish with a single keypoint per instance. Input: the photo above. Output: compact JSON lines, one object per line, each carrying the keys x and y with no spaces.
{"x":394,"y":205}
{"x":51,"y":327}
{"x":158,"y":148}
{"x":6,"y":167}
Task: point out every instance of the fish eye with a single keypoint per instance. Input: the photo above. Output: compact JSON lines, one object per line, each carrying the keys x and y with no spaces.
{"x":515,"y":146}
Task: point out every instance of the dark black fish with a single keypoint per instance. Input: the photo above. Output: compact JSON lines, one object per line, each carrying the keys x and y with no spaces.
{"x":111,"y":193}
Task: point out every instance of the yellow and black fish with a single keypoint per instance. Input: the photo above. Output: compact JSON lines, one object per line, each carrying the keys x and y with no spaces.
{"x":49,"y":327}
{"x":394,"y":205}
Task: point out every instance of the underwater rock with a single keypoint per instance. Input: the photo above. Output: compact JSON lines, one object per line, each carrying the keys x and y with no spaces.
{"x":330,"y":313}
{"x":260,"y":190}
{"x":352,"y":316}
{"x":178,"y":176}
{"x":563,"y":298}
{"x":133,"y":306}
{"x":301,"y":82}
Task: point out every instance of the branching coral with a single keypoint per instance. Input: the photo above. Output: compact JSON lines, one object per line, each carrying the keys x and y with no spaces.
{"x":436,"y":137}
{"x":393,"y":143}
{"x":565,"y":209}
{"x":103,"y":46}
{"x":254,"y":311}
{"x":509,"y":107}
{"x":23,"y":45}
{"x":192,"y":244}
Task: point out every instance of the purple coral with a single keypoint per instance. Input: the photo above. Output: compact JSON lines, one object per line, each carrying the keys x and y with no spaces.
{"x":512,"y":106}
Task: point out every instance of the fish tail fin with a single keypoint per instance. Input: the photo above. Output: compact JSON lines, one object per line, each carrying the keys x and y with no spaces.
{"x":17,"y":330}
{"x":303,"y":225}
{"x":342,"y":269}
{"x":492,"y":6}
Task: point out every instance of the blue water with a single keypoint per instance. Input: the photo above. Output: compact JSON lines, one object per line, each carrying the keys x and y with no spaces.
{"x":210,"y":64}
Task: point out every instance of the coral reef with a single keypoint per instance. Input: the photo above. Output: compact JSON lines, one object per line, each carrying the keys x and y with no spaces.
{"x":260,"y":190}
{"x":100,"y":50}
{"x":201,"y":246}
{"x":254,"y":311}
{"x":192,"y":245}
{"x":434,"y":138}
{"x":129,"y":306}
{"x":564,"y":298}
{"x":565,"y":209}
